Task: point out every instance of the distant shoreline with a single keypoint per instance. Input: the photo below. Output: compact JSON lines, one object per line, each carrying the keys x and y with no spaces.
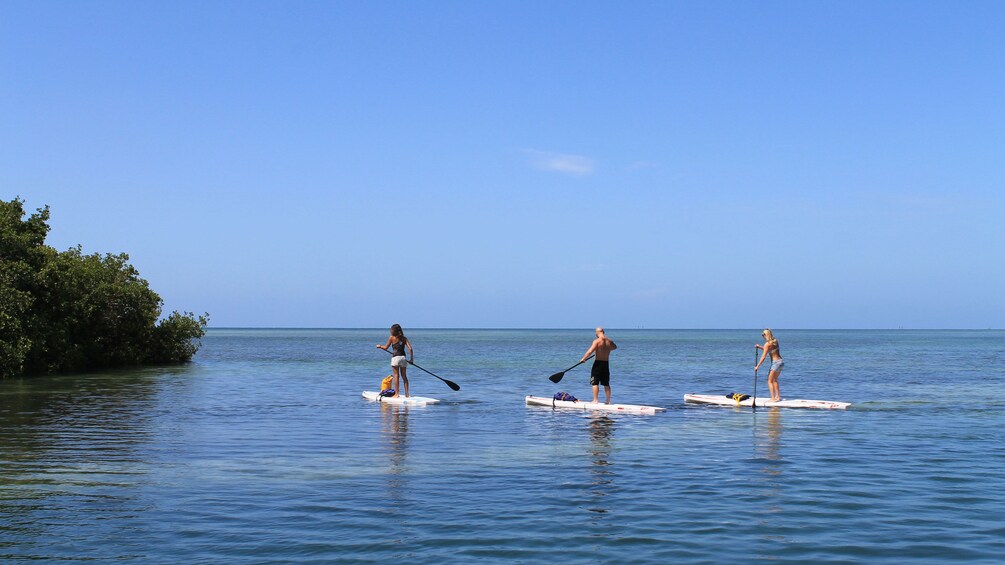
{"x":780,"y":329}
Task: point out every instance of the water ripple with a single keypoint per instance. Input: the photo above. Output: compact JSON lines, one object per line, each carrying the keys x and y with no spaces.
{"x":262,"y":451}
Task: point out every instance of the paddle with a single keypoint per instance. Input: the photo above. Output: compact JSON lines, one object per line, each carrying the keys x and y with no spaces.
{"x":753,"y":401}
{"x":558,"y":376}
{"x":451,"y":384}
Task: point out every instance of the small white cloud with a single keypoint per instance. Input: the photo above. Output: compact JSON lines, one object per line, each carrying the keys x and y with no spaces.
{"x":564,"y":163}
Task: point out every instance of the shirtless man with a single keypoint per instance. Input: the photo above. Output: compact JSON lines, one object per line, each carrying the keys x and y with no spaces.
{"x":600,"y":374}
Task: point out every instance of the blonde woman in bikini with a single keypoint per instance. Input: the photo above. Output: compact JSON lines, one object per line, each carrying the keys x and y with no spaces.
{"x":771,"y":346}
{"x":396,"y":344}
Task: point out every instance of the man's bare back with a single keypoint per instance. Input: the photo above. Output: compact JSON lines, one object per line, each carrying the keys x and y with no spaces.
{"x":600,"y":374}
{"x":602,"y":347}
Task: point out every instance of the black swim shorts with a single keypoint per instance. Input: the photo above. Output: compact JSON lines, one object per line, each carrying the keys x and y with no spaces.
{"x":600,"y":374}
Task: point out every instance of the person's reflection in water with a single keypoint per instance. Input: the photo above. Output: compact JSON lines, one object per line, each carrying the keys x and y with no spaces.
{"x":394,"y":429}
{"x":769,"y":441}
{"x":601,"y":471}
{"x":768,"y":449}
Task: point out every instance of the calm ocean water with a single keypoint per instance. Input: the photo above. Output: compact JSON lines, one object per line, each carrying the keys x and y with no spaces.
{"x":262,"y":450}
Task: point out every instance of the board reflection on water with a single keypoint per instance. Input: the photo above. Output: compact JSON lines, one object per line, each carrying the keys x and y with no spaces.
{"x":394,"y":433}
{"x":768,"y":428}
{"x":768,"y":437}
{"x":601,"y":430}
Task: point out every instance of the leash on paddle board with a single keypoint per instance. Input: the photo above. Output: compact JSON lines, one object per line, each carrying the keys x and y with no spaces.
{"x":558,"y":376}
{"x":753,"y":401}
{"x":451,"y":384}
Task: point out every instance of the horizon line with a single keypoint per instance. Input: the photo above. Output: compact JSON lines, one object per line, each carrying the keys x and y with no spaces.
{"x":612,"y":328}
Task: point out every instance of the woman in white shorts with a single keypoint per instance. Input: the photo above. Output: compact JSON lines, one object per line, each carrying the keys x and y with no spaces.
{"x":771,"y":346}
{"x":396,"y":344}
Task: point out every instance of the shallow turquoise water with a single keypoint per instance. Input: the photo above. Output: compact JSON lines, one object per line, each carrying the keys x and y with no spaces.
{"x":261,"y":450}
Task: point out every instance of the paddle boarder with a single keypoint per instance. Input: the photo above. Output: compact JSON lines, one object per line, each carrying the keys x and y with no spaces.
{"x":600,"y":373}
{"x":396,"y":344}
{"x":771,"y":346}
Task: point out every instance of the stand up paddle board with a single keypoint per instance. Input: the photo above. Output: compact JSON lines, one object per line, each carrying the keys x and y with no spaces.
{"x":723,"y":400}
{"x":580,"y":405}
{"x":409,"y":401}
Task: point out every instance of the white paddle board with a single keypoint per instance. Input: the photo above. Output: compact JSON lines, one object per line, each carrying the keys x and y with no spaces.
{"x":723,"y":400}
{"x":581,"y":405}
{"x":409,"y":401}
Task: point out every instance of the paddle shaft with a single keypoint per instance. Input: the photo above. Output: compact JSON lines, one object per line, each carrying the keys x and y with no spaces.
{"x":558,"y":376}
{"x":451,"y":384}
{"x":753,"y":402}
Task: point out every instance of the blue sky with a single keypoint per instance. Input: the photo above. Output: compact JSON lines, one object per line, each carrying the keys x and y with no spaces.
{"x":522,"y":164}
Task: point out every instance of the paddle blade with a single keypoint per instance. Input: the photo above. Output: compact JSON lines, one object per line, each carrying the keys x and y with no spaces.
{"x":450,"y":384}
{"x":557,"y":377}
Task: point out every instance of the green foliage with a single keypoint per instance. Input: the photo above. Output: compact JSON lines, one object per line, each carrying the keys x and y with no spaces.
{"x":14,"y":343}
{"x":173,"y":338}
{"x":21,"y":256}
{"x":67,"y":311}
